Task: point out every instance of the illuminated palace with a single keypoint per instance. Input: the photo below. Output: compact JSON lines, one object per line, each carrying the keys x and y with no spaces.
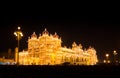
{"x":47,"y":50}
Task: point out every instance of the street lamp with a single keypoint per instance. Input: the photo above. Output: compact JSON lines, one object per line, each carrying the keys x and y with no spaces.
{"x":19,"y":35}
{"x":114,"y":53}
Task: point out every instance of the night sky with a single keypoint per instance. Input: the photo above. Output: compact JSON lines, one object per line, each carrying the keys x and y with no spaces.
{"x":100,"y":31}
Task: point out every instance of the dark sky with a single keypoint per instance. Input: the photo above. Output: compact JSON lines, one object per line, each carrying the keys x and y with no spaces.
{"x":97,"y":29}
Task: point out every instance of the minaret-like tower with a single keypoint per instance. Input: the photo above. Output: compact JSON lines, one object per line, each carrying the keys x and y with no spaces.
{"x":33,"y":45}
{"x":74,"y":45}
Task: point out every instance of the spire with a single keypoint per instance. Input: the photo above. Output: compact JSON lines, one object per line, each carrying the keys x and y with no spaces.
{"x":33,"y":35}
{"x":39,"y":34}
{"x":80,"y":46}
{"x":90,"y":47}
{"x":74,"y":44}
{"x":45,"y":31}
{"x":28,"y":37}
{"x":55,"y":35}
{"x":85,"y":49}
{"x":50,"y":35}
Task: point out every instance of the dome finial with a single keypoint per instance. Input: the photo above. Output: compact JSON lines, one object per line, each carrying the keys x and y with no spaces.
{"x":45,"y":31}
{"x":74,"y":44}
{"x":55,"y":35}
{"x":33,"y":35}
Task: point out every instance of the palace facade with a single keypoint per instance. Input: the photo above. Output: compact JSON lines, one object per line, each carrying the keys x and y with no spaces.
{"x":46,"y":49}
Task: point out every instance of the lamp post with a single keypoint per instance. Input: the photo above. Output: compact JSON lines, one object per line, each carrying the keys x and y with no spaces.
{"x":114,"y":53}
{"x":19,"y":35}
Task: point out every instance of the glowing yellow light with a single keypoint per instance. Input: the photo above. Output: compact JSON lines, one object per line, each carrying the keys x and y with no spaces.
{"x":21,"y":34}
{"x":104,"y":61}
{"x":18,"y":28}
{"x":15,"y":33}
{"x":107,"y":55}
{"x":114,"y":52}
{"x":108,"y":61}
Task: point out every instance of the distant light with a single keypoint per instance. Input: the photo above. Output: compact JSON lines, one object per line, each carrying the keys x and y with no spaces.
{"x":108,"y":61}
{"x":107,"y":55}
{"x":104,"y":61}
{"x":114,"y":52}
